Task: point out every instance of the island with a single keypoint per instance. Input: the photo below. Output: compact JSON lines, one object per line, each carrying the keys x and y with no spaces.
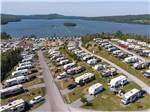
{"x":69,"y":24}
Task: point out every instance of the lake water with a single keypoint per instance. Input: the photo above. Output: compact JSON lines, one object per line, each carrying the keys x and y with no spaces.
{"x":56,"y":27}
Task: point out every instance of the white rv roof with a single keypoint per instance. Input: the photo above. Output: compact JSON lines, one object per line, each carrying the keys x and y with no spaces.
{"x":113,"y":81}
{"x":10,"y":88}
{"x":16,"y":78}
{"x":148,"y":71}
{"x":11,"y":104}
{"x":84,"y":76}
{"x":131,"y":93}
{"x":95,"y":86}
{"x":18,"y":71}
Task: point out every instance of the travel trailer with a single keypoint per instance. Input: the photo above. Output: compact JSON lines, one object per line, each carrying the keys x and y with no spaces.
{"x":131,"y":96}
{"x":118,"y":81}
{"x":25,"y":63}
{"x":87,"y":57}
{"x":99,"y":67}
{"x":23,"y":72}
{"x":140,"y":65}
{"x":109,"y":72}
{"x":29,"y":66}
{"x":75,"y":70}
{"x":15,"y":81}
{"x":69,"y":65}
{"x":92,"y":61}
{"x":14,"y":106}
{"x":11,"y":90}
{"x":85,"y":78}
{"x":131,"y":59}
{"x":95,"y":88}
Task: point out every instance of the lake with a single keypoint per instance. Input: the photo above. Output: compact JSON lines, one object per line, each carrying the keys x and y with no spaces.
{"x":43,"y":27}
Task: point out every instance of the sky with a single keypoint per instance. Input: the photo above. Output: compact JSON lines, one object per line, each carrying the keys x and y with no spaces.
{"x":76,"y":8}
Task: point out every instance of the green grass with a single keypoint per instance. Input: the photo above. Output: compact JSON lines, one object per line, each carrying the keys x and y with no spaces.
{"x":33,"y":82}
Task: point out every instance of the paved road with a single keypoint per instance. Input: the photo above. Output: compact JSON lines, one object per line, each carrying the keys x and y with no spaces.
{"x":130,"y":76}
{"x":127,"y":51}
{"x":54,"y":98}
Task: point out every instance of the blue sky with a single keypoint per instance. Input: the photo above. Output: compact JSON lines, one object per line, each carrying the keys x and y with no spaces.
{"x":76,"y":8}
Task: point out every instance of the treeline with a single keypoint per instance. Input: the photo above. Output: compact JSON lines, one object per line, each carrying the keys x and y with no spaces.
{"x":118,"y":35}
{"x":9,"y":59}
{"x":5,"y":36}
{"x":138,"y":19}
{"x":9,"y":18}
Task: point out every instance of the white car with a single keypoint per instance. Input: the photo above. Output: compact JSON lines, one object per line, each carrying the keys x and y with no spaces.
{"x":36,"y":99}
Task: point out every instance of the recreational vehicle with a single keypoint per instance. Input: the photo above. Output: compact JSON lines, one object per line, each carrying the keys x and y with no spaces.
{"x":11,"y":90}
{"x":20,"y":73}
{"x":85,"y":78}
{"x":118,"y":81}
{"x":15,"y":81}
{"x":95,"y":88}
{"x":75,"y":70}
{"x":92,"y":61}
{"x":109,"y":72}
{"x":14,"y":106}
{"x":29,"y":66}
{"x":132,"y":59}
{"x":69,"y":65}
{"x":25,"y":63}
{"x":131,"y":96}
{"x":99,"y":67}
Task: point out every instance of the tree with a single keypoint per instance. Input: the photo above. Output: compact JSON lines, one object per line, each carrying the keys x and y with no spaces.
{"x":5,"y":36}
{"x":119,"y":34}
{"x":84,"y":100}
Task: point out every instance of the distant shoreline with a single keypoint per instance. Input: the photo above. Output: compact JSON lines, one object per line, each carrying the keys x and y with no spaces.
{"x":131,"y":19}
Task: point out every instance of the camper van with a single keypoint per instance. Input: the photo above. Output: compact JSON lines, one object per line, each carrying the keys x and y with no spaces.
{"x":131,"y":96}
{"x":20,"y":73}
{"x":26,"y":60}
{"x":15,"y":81}
{"x":11,"y":90}
{"x":29,"y":66}
{"x":118,"y":81}
{"x":140,"y":65}
{"x":147,"y":73}
{"x":14,"y":106}
{"x":92,"y":61}
{"x":69,"y":65}
{"x":95,"y":88}
{"x":85,"y":78}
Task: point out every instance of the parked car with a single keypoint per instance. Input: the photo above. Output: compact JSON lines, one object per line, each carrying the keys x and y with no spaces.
{"x":36,"y":100}
{"x":71,"y":86}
